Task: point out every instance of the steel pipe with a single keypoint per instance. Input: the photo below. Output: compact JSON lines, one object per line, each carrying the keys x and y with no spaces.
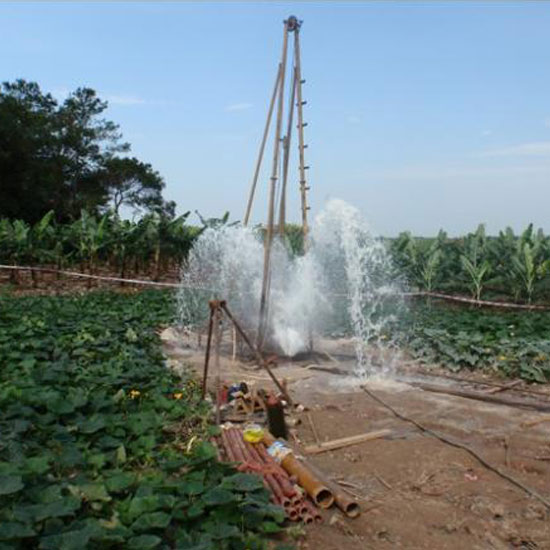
{"x":319,"y":492}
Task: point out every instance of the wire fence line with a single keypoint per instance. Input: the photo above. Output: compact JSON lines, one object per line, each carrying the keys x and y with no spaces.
{"x":421,"y":293}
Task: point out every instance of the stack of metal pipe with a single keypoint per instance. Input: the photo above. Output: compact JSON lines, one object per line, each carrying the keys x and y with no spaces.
{"x":285,"y":492}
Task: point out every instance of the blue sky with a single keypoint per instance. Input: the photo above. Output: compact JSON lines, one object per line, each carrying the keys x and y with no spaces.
{"x":424,"y":115}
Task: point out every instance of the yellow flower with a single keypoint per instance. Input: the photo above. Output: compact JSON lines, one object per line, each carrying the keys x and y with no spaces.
{"x":178,"y":395}
{"x":134,"y":393}
{"x":502,"y":358}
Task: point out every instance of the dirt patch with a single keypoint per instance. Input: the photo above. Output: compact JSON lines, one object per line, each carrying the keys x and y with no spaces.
{"x":416,"y":491}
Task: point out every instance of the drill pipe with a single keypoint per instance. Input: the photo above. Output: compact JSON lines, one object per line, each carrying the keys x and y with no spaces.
{"x":276,"y":487}
{"x":237,"y":444}
{"x":231,"y":455}
{"x":318,"y":518}
{"x":319,"y":492}
{"x":291,"y":513}
{"x":237,"y":452}
{"x":347,"y":504}
{"x":307,"y":519}
{"x":281,"y":476}
{"x":268,"y":458}
{"x":228,"y":450}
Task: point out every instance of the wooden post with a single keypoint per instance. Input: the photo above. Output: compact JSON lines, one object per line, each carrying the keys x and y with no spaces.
{"x":262,"y":148}
{"x":271,"y":208}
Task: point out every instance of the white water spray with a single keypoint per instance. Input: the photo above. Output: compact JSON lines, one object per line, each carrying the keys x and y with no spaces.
{"x":339,"y":287}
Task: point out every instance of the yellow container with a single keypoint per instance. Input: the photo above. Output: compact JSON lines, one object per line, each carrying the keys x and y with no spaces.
{"x":253,"y":433}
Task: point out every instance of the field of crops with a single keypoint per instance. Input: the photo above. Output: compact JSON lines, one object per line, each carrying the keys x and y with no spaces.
{"x":508,"y":266}
{"x":101,"y":446}
{"x":509,"y":344}
{"x":505,"y":267}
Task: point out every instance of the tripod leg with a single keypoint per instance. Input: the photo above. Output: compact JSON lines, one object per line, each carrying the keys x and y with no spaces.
{"x":207,"y":353}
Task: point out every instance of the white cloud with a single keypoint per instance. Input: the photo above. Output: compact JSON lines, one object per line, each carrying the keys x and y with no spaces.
{"x":115,"y":99}
{"x":62,"y":92}
{"x":533,"y":149}
{"x":238,"y":107}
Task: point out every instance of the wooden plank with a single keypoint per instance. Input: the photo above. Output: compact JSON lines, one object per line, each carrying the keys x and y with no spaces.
{"x":504,"y":387}
{"x":345,"y":442}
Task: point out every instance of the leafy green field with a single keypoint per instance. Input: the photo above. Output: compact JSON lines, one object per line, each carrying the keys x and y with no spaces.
{"x":509,"y":343}
{"x":100,"y":445}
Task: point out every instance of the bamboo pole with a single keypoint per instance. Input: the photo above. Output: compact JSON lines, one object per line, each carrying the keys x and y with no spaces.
{"x":271,"y":208}
{"x":301,"y":147}
{"x":262,"y":148}
{"x":286,"y":157}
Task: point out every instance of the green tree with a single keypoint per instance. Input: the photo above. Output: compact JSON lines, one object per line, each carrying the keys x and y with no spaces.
{"x":64,"y":157}
{"x":132,"y":183}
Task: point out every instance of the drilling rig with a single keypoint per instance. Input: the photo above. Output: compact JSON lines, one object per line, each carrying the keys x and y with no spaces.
{"x":281,"y":158}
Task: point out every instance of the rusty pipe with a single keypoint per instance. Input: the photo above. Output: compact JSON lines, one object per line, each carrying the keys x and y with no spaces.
{"x":227,"y":446}
{"x":318,"y":518}
{"x":281,"y":477}
{"x":308,"y":519}
{"x":275,"y":495}
{"x":292,"y":513}
{"x":347,"y":504}
{"x":318,"y":491}
{"x":268,"y":458}
{"x":235,"y":448}
{"x":237,"y":441}
{"x":230,"y":451}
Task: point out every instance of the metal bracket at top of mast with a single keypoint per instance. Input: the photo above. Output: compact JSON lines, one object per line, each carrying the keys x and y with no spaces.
{"x":293,"y":24}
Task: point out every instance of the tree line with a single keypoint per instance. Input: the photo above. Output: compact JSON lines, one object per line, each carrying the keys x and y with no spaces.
{"x":66,"y":157}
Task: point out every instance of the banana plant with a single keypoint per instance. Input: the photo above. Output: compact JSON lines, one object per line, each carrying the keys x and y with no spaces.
{"x":477,"y":274}
{"x":529,"y":262}
{"x":17,"y":237}
{"x":39,"y":247}
{"x":474,"y":262}
{"x":430,"y":267}
{"x":421,"y":259}
{"x":91,"y":238}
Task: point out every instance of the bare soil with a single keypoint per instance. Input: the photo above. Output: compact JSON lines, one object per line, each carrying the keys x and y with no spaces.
{"x":416,"y":492}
